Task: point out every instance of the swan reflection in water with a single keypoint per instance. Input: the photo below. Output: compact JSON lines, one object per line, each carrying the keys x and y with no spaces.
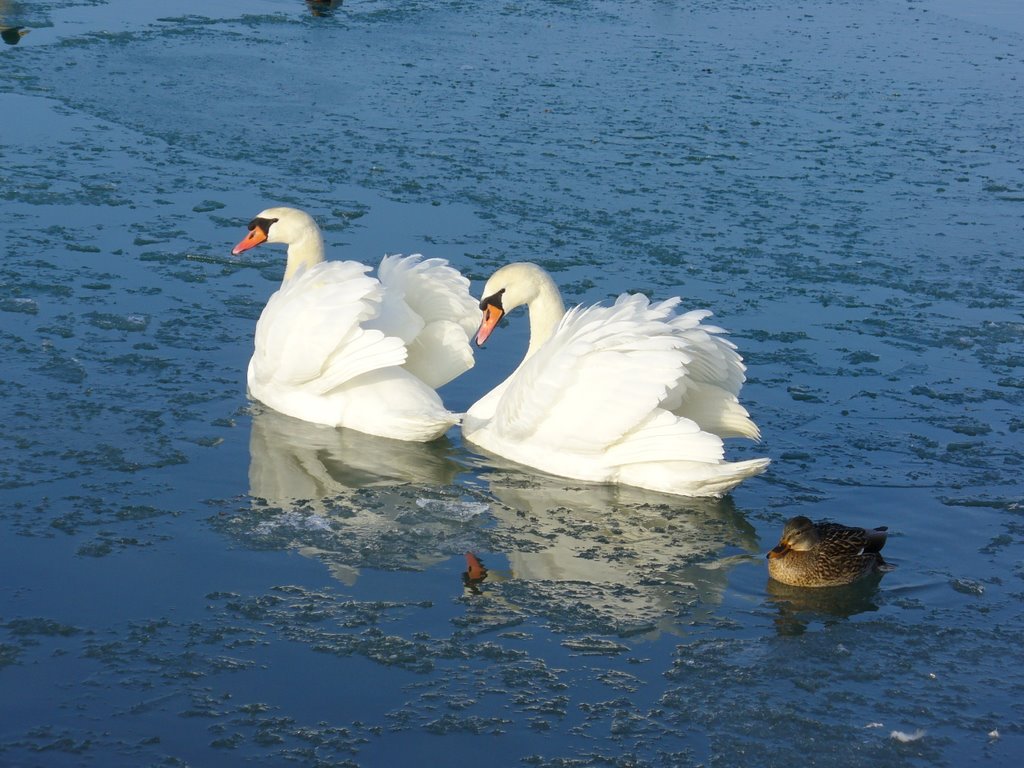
{"x":354,"y":500}
{"x":292,"y":459}
{"x":584,"y":557}
{"x":608,"y":558}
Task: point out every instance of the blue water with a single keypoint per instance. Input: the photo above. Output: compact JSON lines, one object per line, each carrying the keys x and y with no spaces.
{"x":189,"y":579}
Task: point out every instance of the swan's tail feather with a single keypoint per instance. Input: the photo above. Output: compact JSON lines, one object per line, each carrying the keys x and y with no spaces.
{"x":685,"y":478}
{"x":715,"y":409}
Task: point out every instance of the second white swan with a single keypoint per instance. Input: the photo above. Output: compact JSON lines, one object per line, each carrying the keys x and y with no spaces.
{"x":335,"y":346}
{"x":632,"y":393}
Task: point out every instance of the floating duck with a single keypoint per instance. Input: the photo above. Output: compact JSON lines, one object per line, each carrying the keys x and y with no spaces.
{"x":826,"y":554}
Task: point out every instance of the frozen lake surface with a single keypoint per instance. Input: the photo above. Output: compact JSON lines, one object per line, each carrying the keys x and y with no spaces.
{"x":189,"y":579}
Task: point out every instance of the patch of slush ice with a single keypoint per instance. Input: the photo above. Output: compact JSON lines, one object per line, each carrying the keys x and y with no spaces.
{"x":294,"y":521}
{"x":459,"y":510}
{"x":906,"y":738}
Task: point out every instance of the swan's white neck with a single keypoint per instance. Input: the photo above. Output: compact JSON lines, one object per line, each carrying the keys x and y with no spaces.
{"x":545,"y":309}
{"x":518,"y":284}
{"x":307,"y":250}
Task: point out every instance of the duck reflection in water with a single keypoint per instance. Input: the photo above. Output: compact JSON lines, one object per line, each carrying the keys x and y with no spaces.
{"x":799,"y":607}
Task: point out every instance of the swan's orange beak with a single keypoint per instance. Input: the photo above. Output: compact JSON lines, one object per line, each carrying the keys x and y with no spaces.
{"x":255,"y":237}
{"x":492,"y":315}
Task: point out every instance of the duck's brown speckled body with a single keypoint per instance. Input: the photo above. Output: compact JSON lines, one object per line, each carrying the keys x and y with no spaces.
{"x":826,"y":554}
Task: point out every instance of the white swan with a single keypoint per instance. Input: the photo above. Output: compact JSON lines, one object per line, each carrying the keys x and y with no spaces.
{"x":632,"y":393}
{"x":335,"y":346}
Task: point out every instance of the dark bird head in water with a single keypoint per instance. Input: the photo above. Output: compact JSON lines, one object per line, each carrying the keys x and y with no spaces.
{"x":13,"y":35}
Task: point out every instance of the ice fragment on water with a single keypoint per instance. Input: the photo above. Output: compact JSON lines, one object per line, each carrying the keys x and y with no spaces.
{"x":293,"y":520}
{"x":594,"y":646}
{"x":19,"y":304}
{"x":968,"y":586}
{"x":905,"y":738}
{"x":459,"y":510}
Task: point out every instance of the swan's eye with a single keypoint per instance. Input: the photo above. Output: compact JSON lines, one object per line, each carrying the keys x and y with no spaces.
{"x":262,"y":224}
{"x":493,"y":300}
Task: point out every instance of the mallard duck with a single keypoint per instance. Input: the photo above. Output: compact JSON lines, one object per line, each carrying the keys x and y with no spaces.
{"x":634,"y":393}
{"x":826,"y":554}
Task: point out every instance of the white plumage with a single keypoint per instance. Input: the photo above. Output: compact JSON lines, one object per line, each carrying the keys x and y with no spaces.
{"x":336,"y":346}
{"x":632,"y":393}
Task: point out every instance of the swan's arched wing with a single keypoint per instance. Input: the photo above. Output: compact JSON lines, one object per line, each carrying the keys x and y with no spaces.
{"x":708,"y":394}
{"x":428,"y":304}
{"x":603,"y":374}
{"x":311,"y":330}
{"x":432,"y":288}
{"x":714,"y":358}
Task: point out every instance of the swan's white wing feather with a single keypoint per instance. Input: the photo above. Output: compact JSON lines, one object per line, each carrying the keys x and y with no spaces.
{"x":664,"y":437}
{"x":433,"y":289}
{"x":439,"y":353}
{"x":708,"y":394}
{"x":602,"y":373}
{"x":715,"y":359}
{"x":396,"y":317}
{"x":428,"y":304}
{"x":310,"y":331}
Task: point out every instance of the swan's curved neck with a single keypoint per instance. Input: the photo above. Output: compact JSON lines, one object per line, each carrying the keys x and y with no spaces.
{"x":546,"y":309}
{"x":304,"y":252}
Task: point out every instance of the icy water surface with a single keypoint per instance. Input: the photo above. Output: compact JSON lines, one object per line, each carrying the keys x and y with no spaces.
{"x":189,"y":579}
